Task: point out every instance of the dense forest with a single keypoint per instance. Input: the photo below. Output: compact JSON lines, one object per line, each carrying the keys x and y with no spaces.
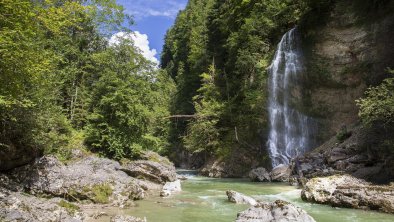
{"x":65,"y":86}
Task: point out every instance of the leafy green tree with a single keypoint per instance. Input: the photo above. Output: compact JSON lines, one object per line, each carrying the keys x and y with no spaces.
{"x":129,"y":99}
{"x":378,"y":105}
{"x":203,"y":134}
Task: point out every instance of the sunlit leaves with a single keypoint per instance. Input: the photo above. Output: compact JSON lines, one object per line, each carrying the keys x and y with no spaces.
{"x":378,"y":104}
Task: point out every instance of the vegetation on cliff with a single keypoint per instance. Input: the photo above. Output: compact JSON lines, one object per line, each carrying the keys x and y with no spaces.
{"x":218,"y":52}
{"x":378,"y":105}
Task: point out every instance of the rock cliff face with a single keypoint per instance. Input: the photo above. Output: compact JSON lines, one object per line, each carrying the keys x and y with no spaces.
{"x":364,"y":154}
{"x":345,"y":53}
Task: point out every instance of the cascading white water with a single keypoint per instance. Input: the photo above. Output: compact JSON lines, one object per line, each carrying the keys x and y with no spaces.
{"x":291,"y":132}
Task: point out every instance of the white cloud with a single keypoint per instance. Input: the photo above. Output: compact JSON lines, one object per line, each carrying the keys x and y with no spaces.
{"x":140,"y":41}
{"x":145,"y":8}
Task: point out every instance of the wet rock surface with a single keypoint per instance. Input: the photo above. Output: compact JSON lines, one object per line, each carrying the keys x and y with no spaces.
{"x":170,"y":188}
{"x":276,"y":211}
{"x":259,"y":175}
{"x":348,"y":191}
{"x":240,"y":198}
{"x":280,"y":173}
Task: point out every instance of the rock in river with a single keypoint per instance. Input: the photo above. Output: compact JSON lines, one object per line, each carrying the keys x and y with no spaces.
{"x":171,"y":187}
{"x":276,"y":211}
{"x":280,"y":173}
{"x":348,"y":191}
{"x":259,"y":175}
{"x":240,"y":198}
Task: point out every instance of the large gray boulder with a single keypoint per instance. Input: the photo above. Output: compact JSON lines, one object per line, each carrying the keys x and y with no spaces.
{"x":280,"y":173}
{"x":96,"y":179}
{"x":259,"y":175}
{"x":240,"y":198}
{"x":155,"y":171}
{"x":17,"y":207}
{"x":348,"y":191}
{"x":277,"y":211}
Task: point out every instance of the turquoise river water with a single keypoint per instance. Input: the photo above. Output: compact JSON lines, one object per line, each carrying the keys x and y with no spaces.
{"x":204,"y":200}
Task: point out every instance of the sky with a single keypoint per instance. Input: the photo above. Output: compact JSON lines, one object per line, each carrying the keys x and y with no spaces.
{"x":152,"y":19}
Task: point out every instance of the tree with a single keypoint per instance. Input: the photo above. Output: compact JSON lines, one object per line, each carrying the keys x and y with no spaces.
{"x":130,"y":97}
{"x":378,"y":105}
{"x":203,"y":133}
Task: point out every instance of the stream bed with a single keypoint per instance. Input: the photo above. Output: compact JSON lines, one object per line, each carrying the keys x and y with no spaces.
{"x":204,"y":200}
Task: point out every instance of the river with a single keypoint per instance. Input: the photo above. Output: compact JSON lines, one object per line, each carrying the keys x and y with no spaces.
{"x":204,"y":200}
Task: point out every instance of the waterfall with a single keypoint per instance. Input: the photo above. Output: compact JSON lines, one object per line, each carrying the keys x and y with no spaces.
{"x":291,"y":132}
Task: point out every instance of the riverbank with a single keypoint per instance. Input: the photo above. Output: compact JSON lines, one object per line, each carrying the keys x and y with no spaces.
{"x":51,"y":190}
{"x":204,"y":199}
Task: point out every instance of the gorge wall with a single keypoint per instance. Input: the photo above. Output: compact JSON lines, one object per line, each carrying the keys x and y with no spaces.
{"x":349,"y":50}
{"x":218,"y":53}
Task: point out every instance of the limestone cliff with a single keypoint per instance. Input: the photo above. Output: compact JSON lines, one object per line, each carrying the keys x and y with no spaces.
{"x":348,"y":50}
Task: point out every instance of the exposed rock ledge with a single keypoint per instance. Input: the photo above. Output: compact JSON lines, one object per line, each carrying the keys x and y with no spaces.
{"x":22,"y":207}
{"x":88,"y":180}
{"x":350,"y":192}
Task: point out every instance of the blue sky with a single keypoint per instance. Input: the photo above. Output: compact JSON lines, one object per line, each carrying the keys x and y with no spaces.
{"x":153,"y":18}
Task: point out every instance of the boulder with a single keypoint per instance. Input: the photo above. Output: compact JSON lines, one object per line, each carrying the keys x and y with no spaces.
{"x":240,"y":198}
{"x":276,"y":211}
{"x":348,"y":191}
{"x":96,"y":179}
{"x":280,"y":173}
{"x":21,"y":207}
{"x":120,"y":218}
{"x":361,"y":155}
{"x":171,"y":187}
{"x":259,"y":175}
{"x":150,"y":170}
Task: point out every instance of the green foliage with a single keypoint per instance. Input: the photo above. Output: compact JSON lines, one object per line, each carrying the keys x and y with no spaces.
{"x":129,"y":103}
{"x":101,"y":193}
{"x":378,"y":105}
{"x":343,"y":134}
{"x":28,"y":90}
{"x":71,"y":208}
{"x":204,"y":133}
